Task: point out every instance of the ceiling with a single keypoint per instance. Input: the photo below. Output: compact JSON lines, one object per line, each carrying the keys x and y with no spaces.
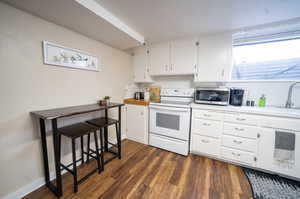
{"x":83,"y":16}
{"x":161,"y":20}
{"x":125,"y":24}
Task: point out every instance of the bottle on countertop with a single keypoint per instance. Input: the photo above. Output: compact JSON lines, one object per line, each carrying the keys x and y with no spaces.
{"x":262,"y":101}
{"x":147,"y":95}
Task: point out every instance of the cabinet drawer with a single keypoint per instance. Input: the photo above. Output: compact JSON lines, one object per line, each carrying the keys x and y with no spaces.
{"x":281,"y":123}
{"x":204,"y":114}
{"x":241,"y":130}
{"x":207,"y":145}
{"x":238,"y":156}
{"x":207,"y":127}
{"x":169,"y":144}
{"x":242,"y":118}
{"x":244,"y":144}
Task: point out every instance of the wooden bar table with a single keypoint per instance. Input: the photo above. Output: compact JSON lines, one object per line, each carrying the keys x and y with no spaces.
{"x":53,"y":115}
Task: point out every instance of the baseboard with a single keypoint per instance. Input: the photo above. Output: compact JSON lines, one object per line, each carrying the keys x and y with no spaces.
{"x":23,"y":191}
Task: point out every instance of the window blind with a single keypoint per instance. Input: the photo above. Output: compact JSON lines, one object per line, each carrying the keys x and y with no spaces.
{"x":274,"y":32}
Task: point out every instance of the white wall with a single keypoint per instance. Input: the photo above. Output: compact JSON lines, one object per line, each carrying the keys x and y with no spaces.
{"x":276,"y":92}
{"x":26,"y":84}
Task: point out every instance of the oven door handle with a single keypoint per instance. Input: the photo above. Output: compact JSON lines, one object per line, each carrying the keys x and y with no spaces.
{"x":170,"y":109}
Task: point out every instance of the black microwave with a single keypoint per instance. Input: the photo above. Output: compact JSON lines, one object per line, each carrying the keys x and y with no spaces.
{"x":216,"y":96}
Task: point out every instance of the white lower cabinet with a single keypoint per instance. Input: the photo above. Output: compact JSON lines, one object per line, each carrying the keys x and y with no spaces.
{"x":244,"y":144}
{"x":239,"y":130}
{"x":137,"y":123}
{"x":205,"y":145}
{"x":266,"y":153}
{"x":239,"y":156}
{"x":207,"y":127}
{"x":244,"y":139}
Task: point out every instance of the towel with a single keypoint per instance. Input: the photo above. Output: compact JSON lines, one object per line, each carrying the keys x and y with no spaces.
{"x":284,"y":153}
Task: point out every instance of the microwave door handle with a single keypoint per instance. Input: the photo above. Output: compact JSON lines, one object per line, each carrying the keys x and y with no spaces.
{"x":169,"y":109}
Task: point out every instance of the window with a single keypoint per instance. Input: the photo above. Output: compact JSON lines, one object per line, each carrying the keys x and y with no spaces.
{"x":272,"y":60}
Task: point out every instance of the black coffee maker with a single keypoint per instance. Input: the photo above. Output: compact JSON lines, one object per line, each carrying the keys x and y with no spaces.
{"x":236,"y":96}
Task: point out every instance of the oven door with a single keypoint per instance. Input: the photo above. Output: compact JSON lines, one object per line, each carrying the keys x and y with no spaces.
{"x":212,"y":96}
{"x":170,"y":121}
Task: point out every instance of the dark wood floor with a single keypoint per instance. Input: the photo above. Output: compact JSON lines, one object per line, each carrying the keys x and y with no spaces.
{"x":148,"y":172}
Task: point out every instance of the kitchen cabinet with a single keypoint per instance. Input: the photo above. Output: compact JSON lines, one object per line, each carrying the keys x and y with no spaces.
{"x":141,"y":65}
{"x":174,"y":58}
{"x":214,"y":58}
{"x":137,"y":123}
{"x":206,"y":132}
{"x":243,"y":138}
{"x":160,"y":59}
{"x":183,"y":57}
{"x":266,"y":153}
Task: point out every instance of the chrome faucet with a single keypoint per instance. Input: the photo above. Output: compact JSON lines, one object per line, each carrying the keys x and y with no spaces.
{"x":289,"y":103}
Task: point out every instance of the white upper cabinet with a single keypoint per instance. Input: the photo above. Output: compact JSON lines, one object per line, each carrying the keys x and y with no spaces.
{"x":141,"y":65}
{"x":214,"y":58}
{"x":173,"y":58}
{"x":160,"y":59}
{"x":183,"y":57}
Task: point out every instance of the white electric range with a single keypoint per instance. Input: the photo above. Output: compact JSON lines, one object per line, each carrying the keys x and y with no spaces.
{"x":169,"y":120}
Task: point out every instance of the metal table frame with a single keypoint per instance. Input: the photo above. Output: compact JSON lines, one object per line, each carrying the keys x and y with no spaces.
{"x":56,"y":188}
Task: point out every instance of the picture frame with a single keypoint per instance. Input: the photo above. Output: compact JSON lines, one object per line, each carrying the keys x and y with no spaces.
{"x":58,"y":55}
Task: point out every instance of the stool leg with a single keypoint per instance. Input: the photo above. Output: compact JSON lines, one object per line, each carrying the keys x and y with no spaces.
{"x":118,"y":140}
{"x":74,"y":166}
{"x":101,"y":149}
{"x":88,"y":148}
{"x":82,"y":152}
{"x":97,"y":151}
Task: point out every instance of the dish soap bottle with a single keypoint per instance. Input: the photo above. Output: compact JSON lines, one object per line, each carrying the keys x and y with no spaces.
{"x":262,"y":101}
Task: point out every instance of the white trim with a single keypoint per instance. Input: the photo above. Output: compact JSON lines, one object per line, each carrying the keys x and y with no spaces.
{"x":23,"y":191}
{"x":109,"y":17}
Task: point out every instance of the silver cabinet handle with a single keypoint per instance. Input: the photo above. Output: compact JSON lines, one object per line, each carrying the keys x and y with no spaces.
{"x":205,"y":141}
{"x":239,"y":129}
{"x":236,"y":154}
{"x":166,"y":67}
{"x":206,"y":115}
{"x":206,"y":124}
{"x":240,"y":119}
{"x":237,"y":142}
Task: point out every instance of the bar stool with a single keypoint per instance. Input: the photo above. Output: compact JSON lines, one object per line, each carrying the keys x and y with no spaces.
{"x":105,"y":122}
{"x":75,"y":131}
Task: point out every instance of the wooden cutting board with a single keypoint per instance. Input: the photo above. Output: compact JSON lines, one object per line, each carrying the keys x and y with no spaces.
{"x":154,"y":93}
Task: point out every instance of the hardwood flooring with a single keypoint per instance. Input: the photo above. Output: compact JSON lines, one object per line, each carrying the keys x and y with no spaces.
{"x":148,"y":172}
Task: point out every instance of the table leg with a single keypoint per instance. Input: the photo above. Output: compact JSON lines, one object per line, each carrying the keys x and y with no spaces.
{"x":56,"y":144}
{"x":120,"y":133}
{"x":106,"y":133}
{"x":45,"y":151}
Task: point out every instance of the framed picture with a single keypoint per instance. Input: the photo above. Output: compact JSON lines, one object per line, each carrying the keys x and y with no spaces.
{"x":58,"y":55}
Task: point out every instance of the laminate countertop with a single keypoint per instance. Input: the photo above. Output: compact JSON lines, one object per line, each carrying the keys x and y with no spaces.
{"x":269,"y":111}
{"x":136,"y":102}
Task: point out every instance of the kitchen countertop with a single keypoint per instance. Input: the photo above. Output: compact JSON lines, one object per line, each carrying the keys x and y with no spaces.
{"x":136,"y":102}
{"x":269,"y":111}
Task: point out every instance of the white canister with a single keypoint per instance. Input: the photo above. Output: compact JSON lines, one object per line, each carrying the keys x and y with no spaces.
{"x":147,"y":95}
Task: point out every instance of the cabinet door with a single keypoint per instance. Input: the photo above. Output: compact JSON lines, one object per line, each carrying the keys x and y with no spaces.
{"x":136,"y":123}
{"x":266,"y":154}
{"x":214,"y":58}
{"x":160,"y":59}
{"x":141,"y":65}
{"x":183,"y":57}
